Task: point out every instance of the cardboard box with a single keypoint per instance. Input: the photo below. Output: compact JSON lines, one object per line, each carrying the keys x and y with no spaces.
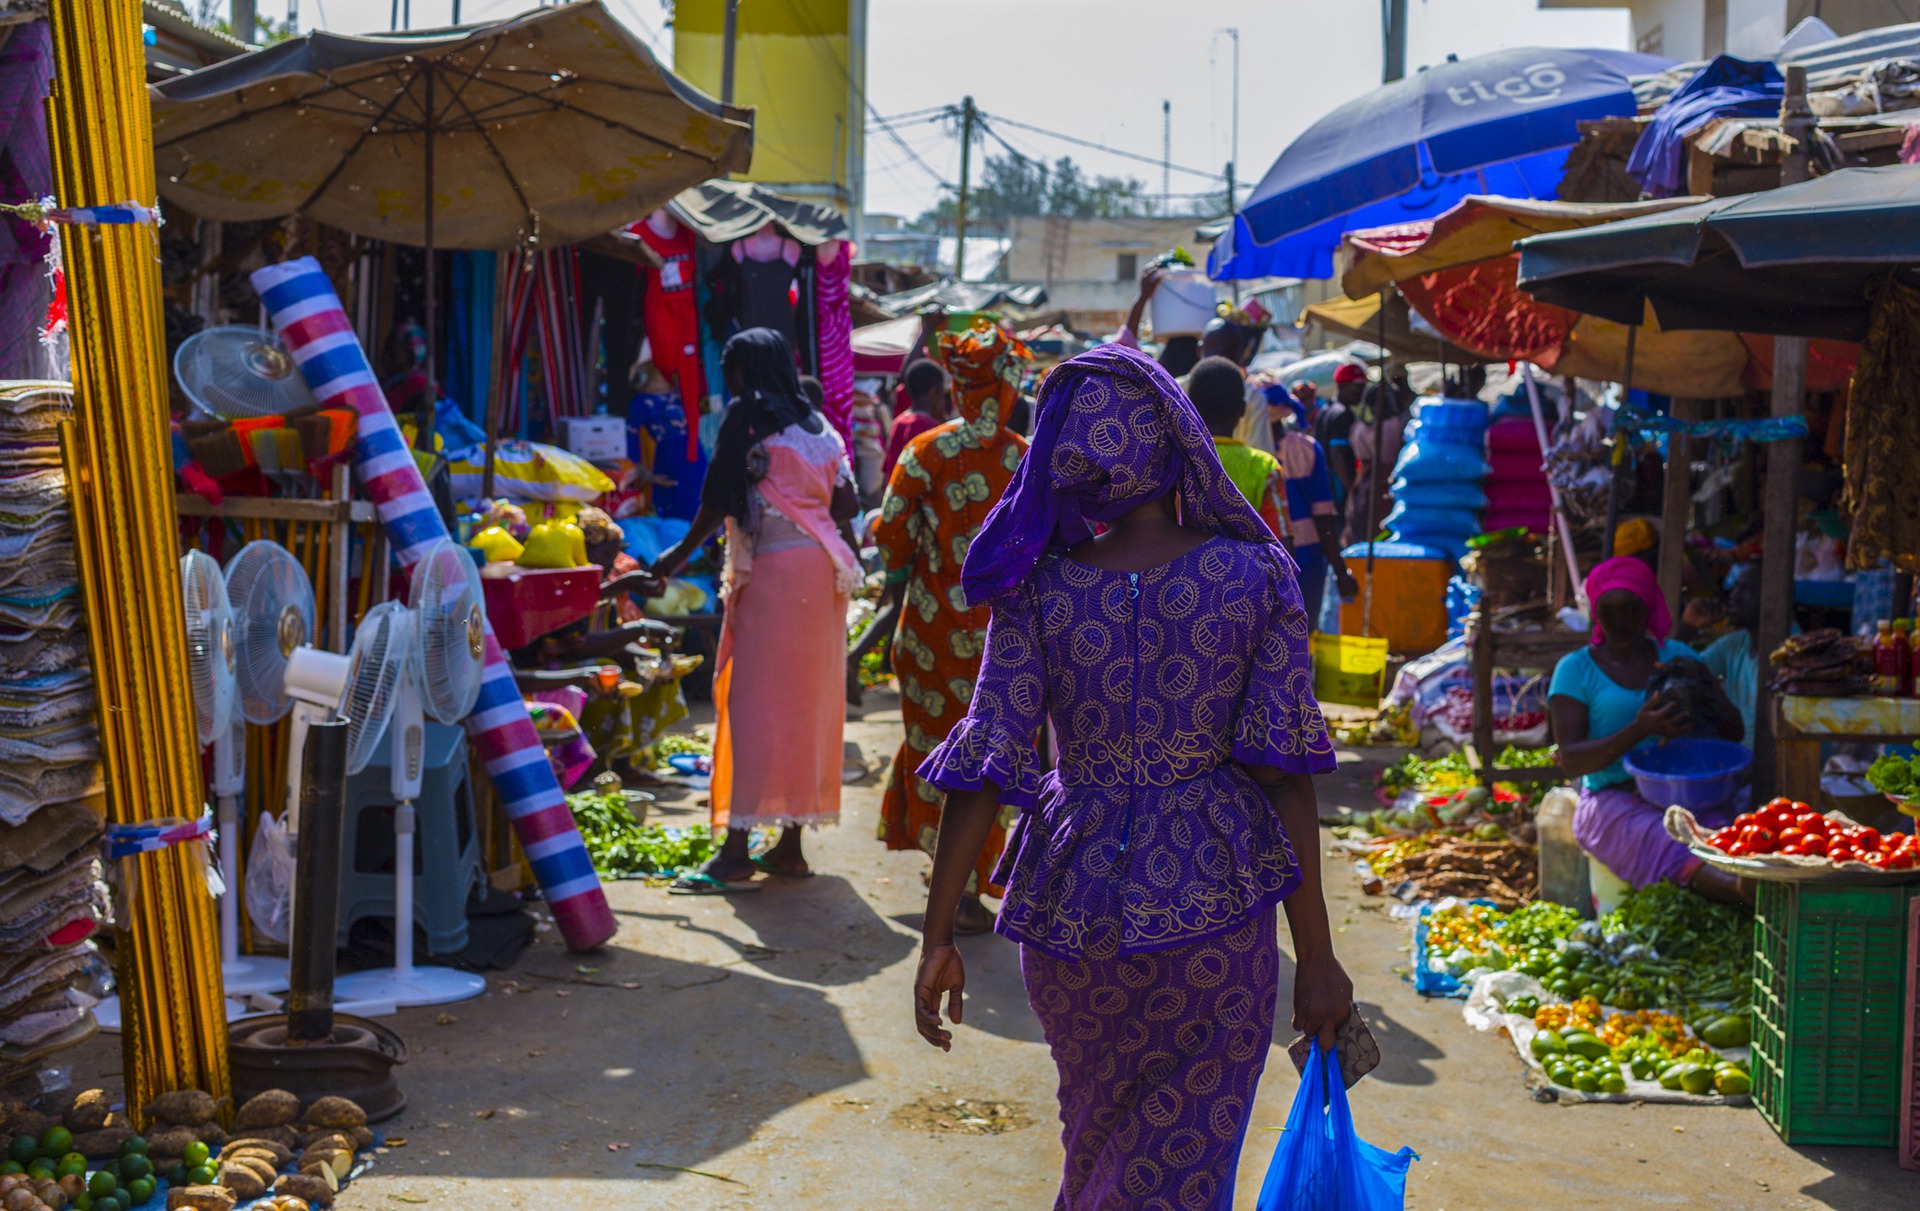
{"x":598,"y":439}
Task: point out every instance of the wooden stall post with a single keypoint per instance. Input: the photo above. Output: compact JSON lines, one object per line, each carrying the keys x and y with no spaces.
{"x":1780,"y":507}
{"x":1676,"y":503}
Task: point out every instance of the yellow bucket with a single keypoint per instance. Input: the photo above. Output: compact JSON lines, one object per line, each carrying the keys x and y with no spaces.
{"x":1348,"y":669}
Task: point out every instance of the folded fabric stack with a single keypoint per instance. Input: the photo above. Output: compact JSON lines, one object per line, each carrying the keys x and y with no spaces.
{"x":51,"y":807}
{"x":1436,"y":485}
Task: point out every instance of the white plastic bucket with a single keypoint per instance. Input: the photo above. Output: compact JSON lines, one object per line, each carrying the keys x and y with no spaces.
{"x":1182,"y":304}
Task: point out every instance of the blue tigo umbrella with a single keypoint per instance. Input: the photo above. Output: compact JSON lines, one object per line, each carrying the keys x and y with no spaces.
{"x":1494,"y":124}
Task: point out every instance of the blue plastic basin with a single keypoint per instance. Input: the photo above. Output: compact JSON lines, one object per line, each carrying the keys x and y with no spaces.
{"x":1697,"y":773}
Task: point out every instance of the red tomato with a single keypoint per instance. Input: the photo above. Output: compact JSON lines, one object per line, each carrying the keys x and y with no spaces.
{"x":1799,"y":807}
{"x":1811,"y":822}
{"x":1816,"y":846}
{"x":1867,"y":838}
{"x":1739,"y":849}
{"x":1781,"y":801}
{"x":1760,"y":840}
{"x":1876,"y":859}
{"x":1794,"y":848}
{"x":1901,"y":859}
{"x":1725,"y":837}
{"x":1745,"y":820}
{"x":1774,"y":818}
{"x":1790,"y":835}
{"x":1891,"y":842}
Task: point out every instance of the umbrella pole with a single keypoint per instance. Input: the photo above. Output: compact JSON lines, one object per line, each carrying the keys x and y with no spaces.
{"x":1553,"y":490}
{"x":1619,"y":450}
{"x":423,"y":422}
{"x":1373,"y":478}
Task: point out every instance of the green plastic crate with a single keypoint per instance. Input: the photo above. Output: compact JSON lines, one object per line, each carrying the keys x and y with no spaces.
{"x":1829,"y":996}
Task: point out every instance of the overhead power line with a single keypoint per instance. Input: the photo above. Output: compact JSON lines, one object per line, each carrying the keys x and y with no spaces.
{"x":1112,"y":151}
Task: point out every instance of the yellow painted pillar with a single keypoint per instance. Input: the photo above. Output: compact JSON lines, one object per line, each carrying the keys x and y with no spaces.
{"x":120,"y":470}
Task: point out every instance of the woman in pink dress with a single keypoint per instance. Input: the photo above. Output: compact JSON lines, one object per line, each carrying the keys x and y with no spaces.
{"x":781,"y":485}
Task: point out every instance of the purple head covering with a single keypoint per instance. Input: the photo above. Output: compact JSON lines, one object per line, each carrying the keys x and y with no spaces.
{"x":1113,"y":432}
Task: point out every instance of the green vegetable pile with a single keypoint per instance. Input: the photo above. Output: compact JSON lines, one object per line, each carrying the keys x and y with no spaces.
{"x":620,"y":847}
{"x":1663,"y":947}
{"x":1893,"y":775}
{"x":675,"y":743}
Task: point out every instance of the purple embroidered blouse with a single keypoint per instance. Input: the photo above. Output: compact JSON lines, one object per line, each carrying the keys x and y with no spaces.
{"x":1159,"y":683}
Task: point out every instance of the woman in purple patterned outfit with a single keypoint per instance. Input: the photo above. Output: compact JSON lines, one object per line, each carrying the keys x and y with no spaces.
{"x":1170,"y":655}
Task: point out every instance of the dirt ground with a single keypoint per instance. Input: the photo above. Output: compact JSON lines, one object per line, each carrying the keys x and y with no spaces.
{"x":758,"y":1051}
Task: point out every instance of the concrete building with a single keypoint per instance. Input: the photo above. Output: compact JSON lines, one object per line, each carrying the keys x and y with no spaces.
{"x":1750,"y":29}
{"x":1091,"y":267}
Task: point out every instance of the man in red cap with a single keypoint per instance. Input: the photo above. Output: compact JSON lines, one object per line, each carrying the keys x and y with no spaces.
{"x":1333,"y":429}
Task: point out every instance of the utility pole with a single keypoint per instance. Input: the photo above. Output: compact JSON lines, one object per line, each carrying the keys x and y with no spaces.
{"x":728,"y":40}
{"x":1780,"y":504}
{"x":1233,"y":149}
{"x":1166,"y":158}
{"x":293,"y":15}
{"x":456,"y":12}
{"x":960,"y":211}
{"x":243,"y":20}
{"x":1393,"y":29}
{"x":1233,"y":211}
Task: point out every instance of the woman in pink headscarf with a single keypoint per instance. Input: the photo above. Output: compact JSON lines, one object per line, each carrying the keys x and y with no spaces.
{"x":1600,"y":710}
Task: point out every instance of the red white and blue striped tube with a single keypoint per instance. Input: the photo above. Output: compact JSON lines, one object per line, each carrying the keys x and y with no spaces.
{"x":307,"y":314}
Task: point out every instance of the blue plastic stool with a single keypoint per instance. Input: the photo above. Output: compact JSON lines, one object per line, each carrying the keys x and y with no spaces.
{"x":446,"y":856}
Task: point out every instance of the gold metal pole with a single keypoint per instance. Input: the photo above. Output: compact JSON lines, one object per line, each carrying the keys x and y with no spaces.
{"x":119,"y":466}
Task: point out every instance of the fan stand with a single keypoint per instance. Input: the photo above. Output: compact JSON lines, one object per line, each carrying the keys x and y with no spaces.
{"x":241,"y":975}
{"x":405,"y":984}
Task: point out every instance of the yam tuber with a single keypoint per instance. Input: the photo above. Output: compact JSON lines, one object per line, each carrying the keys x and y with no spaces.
{"x":308,"y":1186}
{"x":200,"y":1198}
{"x":184,"y":1106}
{"x":90,"y":1111}
{"x":336,"y":1112}
{"x":274,"y":1108}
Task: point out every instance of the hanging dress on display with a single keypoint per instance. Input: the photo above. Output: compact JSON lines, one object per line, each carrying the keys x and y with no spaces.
{"x":667,"y":310}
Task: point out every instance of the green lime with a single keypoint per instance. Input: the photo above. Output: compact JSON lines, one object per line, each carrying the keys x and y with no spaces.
{"x":141,"y":1189}
{"x":72,"y":1162}
{"x":8,"y":1168}
{"x":102,"y":1184}
{"x":23,"y":1149}
{"x":200,"y":1175}
{"x":176,"y":1175}
{"x":195,"y":1154}
{"x":134,"y":1146}
{"x":137,"y":1166}
{"x":56,"y":1142}
{"x":82,"y":1202}
{"x":40,"y":1166}
{"x":122,"y":1200}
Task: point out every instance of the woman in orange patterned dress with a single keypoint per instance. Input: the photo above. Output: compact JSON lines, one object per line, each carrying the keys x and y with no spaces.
{"x":941,"y":489}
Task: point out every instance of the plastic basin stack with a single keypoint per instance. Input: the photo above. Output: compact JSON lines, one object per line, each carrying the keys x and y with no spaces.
{"x":1517,"y":491}
{"x":1436,"y":482}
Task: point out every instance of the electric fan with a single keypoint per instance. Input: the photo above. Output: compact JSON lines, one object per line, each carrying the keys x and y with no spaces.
{"x":211,"y":659}
{"x":235,"y":372}
{"x":278,"y":668}
{"x":421,"y":661}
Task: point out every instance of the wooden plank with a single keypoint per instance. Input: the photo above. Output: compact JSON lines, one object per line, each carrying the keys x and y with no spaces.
{"x":1676,"y":505}
{"x":273,"y":508}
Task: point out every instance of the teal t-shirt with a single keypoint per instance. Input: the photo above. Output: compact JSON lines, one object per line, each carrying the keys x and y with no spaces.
{"x":1731,"y":659}
{"x":1610,"y":705}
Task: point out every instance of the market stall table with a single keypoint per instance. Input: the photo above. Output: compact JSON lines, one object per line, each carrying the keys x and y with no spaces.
{"x":1527,"y":650}
{"x":1803,"y":723}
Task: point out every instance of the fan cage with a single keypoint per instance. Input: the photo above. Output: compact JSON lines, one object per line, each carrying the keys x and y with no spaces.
{"x":273,"y":613}
{"x":210,"y":654}
{"x":239,"y":373}
{"x":378,"y":662}
{"x":450,"y":644}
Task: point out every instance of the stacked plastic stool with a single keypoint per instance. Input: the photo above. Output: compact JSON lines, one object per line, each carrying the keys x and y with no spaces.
{"x":446,"y":857}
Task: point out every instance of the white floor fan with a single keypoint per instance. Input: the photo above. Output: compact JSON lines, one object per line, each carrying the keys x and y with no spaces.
{"x":410,"y":663}
{"x":211,"y":659}
{"x":277,"y":672}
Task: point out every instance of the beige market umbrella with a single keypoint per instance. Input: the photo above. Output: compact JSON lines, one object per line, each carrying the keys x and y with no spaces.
{"x":545,"y":129}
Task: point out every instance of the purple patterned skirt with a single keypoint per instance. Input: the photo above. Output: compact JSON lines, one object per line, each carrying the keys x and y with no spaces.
{"x":1159,"y":1055}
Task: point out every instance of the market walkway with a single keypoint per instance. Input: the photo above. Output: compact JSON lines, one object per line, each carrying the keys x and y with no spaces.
{"x":766,"y":1040}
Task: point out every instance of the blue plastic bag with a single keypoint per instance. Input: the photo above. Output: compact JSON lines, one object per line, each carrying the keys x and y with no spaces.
{"x":1413,"y":523}
{"x":1322,"y":1164}
{"x":1439,"y":494}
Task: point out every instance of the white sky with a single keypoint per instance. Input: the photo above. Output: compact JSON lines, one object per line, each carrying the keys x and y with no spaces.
{"x":1098,"y":69}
